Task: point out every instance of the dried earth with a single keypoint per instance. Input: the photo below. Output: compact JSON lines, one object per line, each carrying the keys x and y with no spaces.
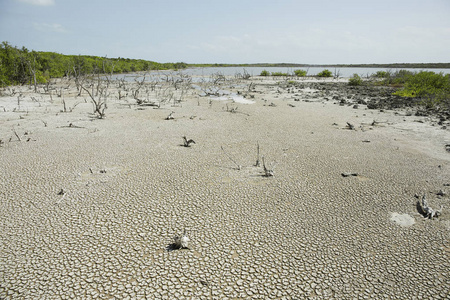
{"x":89,"y":207}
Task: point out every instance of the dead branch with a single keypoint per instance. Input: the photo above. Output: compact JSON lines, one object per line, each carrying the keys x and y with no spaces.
{"x":267,"y":172}
{"x":15,"y":132}
{"x":238,"y":166}
{"x":170,"y":116}
{"x":99,"y":105}
{"x":257,"y":164}
{"x":350,"y":126}
{"x":186,"y":142}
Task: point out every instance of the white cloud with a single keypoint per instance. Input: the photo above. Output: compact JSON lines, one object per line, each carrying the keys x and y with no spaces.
{"x":49,"y":27}
{"x":39,"y":2}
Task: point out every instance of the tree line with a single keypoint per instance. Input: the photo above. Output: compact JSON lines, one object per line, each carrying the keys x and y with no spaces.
{"x":22,"y":66}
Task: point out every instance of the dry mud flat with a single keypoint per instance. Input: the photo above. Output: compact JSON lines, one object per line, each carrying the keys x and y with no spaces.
{"x":89,"y":207}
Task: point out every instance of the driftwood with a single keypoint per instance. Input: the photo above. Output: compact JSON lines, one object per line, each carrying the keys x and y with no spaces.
{"x":427,"y":211}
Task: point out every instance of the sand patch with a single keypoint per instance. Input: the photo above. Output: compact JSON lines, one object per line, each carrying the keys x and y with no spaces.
{"x":404,"y":220}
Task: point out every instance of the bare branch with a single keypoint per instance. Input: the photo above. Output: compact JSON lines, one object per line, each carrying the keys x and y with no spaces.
{"x":238,"y":166}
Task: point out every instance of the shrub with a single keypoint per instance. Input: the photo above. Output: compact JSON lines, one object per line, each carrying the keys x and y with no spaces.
{"x":433,"y":88}
{"x":279,"y":74}
{"x":381,"y":74}
{"x":300,"y":73}
{"x":355,"y":80}
{"x":325,"y":73}
{"x":264,"y":73}
{"x":424,"y":84}
{"x":400,"y":77}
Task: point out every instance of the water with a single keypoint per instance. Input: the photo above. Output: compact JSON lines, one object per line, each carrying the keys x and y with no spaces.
{"x":343,"y":72}
{"x":197,"y":73}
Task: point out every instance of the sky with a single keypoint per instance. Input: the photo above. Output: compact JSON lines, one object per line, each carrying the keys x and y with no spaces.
{"x":234,"y":31}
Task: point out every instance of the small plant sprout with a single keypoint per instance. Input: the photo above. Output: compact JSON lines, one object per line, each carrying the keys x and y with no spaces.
{"x":186,"y":142}
{"x":181,"y":241}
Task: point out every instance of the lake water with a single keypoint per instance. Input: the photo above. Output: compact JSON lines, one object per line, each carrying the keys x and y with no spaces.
{"x":343,"y":72}
{"x":255,"y":71}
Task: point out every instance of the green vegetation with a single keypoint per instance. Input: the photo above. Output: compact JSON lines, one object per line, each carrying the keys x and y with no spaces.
{"x":355,"y":80}
{"x":398,"y":78}
{"x":325,"y":73}
{"x":264,"y":73}
{"x":279,"y":74}
{"x":300,"y":73}
{"x":381,"y":74}
{"x":21,"y":66}
{"x":432,"y":88}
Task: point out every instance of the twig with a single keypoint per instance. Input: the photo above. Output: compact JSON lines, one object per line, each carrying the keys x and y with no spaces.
{"x":350,"y":126}
{"x":18,"y":137}
{"x":257,"y":164}
{"x":267,"y":172}
{"x":238,"y":166}
{"x":186,"y":142}
{"x":170,"y":116}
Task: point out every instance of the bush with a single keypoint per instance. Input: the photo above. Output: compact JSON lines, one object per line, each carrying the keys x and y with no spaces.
{"x":325,"y":73}
{"x":400,"y":77}
{"x":279,"y":74}
{"x":355,"y":80}
{"x":300,"y":73}
{"x":264,"y":73}
{"x":381,"y":74}
{"x":432,"y":88}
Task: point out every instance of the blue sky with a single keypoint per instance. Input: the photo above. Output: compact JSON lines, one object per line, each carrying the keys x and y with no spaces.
{"x":232,"y":31}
